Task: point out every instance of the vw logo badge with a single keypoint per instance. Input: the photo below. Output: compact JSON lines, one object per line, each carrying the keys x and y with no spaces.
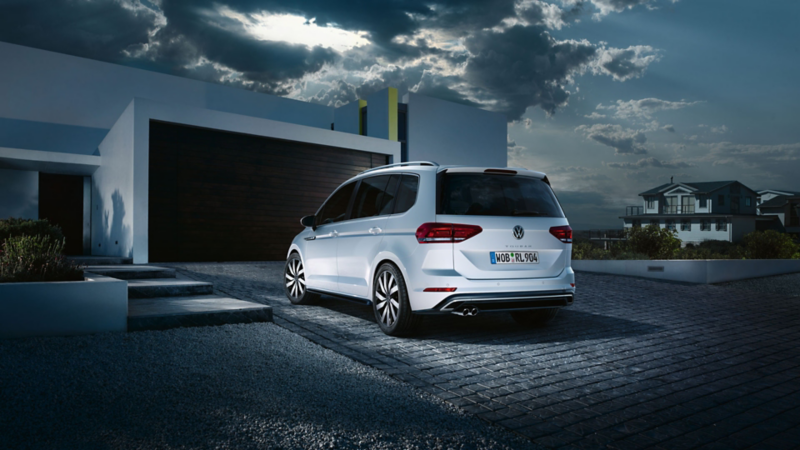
{"x":518,"y":232}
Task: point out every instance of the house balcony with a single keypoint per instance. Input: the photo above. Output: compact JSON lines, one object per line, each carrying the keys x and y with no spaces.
{"x":633,"y":210}
{"x":686,"y":209}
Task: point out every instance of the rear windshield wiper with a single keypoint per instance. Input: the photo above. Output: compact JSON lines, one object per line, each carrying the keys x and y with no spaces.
{"x":522,"y":212}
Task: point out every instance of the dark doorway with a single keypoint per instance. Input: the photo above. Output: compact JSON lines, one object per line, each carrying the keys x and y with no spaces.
{"x":220,"y":196}
{"x":61,"y":203}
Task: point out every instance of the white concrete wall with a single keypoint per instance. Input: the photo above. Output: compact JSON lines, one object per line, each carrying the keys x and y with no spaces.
{"x":692,"y":271}
{"x":112,"y":191}
{"x":450,"y":133}
{"x":99,"y":304}
{"x":378,"y":112}
{"x":346,"y":118}
{"x":63,"y":103}
{"x":19,"y":194}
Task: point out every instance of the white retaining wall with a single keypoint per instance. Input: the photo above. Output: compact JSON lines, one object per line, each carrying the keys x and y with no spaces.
{"x":692,"y":271}
{"x":65,"y":308}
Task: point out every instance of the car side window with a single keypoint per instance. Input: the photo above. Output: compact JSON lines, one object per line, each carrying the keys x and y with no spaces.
{"x":406,"y":193}
{"x":335,"y":209}
{"x":389,"y":195}
{"x":369,"y":199}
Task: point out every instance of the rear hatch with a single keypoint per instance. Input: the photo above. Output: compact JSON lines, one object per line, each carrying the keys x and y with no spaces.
{"x":516,"y":211}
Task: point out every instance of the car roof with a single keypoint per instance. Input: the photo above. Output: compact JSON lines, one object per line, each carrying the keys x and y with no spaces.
{"x":430,"y":167}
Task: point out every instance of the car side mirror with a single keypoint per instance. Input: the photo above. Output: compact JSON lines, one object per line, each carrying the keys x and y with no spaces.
{"x":308,"y":221}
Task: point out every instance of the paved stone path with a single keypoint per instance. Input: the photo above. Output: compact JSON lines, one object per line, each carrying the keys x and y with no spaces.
{"x":633,"y":364}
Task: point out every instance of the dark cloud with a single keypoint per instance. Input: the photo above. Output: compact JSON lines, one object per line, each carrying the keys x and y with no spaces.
{"x":98,"y":30}
{"x":225,"y":41}
{"x":650,"y":162}
{"x":669,"y":128}
{"x":622,"y":140}
{"x":523,"y":67}
{"x":463,"y":17}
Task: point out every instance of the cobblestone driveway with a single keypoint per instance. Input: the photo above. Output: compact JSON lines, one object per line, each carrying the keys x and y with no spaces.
{"x":633,"y":364}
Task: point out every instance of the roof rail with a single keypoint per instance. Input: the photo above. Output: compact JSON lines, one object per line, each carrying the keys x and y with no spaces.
{"x":409,"y":163}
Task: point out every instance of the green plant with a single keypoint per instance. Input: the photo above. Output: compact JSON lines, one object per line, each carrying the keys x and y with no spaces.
{"x":29,"y":227}
{"x":769,"y":244}
{"x":36,"y":258}
{"x":653,"y":241}
{"x":711,"y":249}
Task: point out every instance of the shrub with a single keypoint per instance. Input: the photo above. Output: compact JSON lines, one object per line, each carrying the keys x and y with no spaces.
{"x":711,"y":249}
{"x":36,"y":258}
{"x":653,"y":241}
{"x":28,"y":227}
{"x":587,"y":250}
{"x":769,"y":244}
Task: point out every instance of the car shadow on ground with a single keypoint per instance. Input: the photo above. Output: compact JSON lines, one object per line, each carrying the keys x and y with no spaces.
{"x":569,"y":325}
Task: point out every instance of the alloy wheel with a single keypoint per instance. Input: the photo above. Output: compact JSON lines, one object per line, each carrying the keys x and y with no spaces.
{"x":295,"y":278}
{"x":387,"y":298}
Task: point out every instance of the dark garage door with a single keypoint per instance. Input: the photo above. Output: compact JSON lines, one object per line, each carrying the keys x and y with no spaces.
{"x":218,"y":196}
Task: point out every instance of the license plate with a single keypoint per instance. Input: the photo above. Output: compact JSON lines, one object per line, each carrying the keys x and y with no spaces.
{"x":514,"y":257}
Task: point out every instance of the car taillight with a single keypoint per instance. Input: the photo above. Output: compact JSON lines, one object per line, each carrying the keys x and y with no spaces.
{"x":563,"y":233}
{"x":448,"y":289}
{"x":432,"y":233}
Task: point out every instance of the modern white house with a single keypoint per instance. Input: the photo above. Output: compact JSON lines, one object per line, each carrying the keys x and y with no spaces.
{"x":154,"y":167}
{"x":718,"y":210}
{"x":783,"y":204}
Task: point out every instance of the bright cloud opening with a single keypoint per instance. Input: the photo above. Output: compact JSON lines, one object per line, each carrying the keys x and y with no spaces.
{"x":296,"y":30}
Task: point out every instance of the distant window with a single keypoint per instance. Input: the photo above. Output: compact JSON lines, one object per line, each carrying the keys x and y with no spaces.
{"x":670,"y":225}
{"x":705,"y":225}
{"x":758,"y":200}
{"x":747,"y":201}
{"x":721,"y":200}
{"x":637,"y":223}
{"x":722,"y":225}
{"x":686,"y":225}
{"x":651,"y":202}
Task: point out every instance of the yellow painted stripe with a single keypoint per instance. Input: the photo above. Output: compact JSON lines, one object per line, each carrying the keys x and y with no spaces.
{"x":361,"y":104}
{"x":392,"y":114}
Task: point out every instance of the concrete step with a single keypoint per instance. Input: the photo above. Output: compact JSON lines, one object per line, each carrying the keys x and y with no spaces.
{"x":202,"y":310}
{"x":167,"y":287}
{"x":100,"y":260}
{"x":132,"y":272}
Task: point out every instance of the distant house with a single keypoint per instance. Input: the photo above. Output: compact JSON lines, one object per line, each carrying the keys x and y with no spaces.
{"x":785,"y":205}
{"x":717,"y":210}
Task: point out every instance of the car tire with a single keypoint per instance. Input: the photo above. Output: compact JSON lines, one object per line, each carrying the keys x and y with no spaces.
{"x":294,"y":282}
{"x":535,"y":317}
{"x":390,"y":302}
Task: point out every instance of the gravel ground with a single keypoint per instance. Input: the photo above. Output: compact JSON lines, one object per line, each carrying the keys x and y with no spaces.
{"x":784,"y":285}
{"x":235,"y":386}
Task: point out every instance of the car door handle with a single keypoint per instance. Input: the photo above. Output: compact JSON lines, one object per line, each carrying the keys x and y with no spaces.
{"x":375,"y":230}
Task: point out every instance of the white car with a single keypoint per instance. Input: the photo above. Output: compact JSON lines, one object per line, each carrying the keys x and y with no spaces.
{"x":417,"y":238}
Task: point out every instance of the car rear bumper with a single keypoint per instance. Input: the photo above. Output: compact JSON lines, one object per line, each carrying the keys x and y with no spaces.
{"x":502,"y":302}
{"x":494,"y":295}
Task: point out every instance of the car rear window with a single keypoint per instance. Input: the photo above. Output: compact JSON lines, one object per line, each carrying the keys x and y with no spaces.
{"x":480,"y":194}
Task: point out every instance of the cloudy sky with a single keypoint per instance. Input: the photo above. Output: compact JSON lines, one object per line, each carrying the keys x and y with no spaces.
{"x":609,"y":97}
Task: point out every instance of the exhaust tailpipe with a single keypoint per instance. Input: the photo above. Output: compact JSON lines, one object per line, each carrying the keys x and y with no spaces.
{"x":469,"y":311}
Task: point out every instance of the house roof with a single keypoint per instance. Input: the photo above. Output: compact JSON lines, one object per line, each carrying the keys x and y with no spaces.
{"x":774,"y":202}
{"x":780,"y":192}
{"x":700,"y":188}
